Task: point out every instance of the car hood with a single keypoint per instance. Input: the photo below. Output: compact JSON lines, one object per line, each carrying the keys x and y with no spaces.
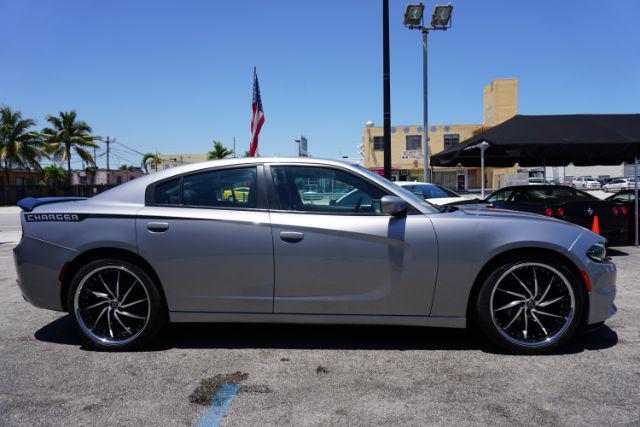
{"x":444,"y":200}
{"x":507,"y":214}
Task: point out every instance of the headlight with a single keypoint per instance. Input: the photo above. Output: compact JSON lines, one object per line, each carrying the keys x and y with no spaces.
{"x":597,"y":252}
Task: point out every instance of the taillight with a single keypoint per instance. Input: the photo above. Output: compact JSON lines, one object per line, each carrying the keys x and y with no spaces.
{"x":615,"y":211}
{"x":548,"y":212}
{"x":560,"y":212}
{"x":624,"y":210}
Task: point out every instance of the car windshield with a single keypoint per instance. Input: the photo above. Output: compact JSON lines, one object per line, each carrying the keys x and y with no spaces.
{"x":430,"y":191}
{"x":406,"y":193}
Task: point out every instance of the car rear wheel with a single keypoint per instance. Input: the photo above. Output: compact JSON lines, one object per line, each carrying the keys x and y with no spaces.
{"x":116,"y":305}
{"x":530,"y":306}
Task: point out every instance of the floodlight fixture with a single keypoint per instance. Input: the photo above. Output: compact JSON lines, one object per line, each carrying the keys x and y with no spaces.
{"x":413,"y":15}
{"x":441,"y":16}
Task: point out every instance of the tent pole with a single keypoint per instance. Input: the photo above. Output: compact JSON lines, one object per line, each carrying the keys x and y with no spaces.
{"x":635,"y":180}
{"x":483,"y":147}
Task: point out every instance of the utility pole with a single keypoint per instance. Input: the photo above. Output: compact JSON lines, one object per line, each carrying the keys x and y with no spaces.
{"x":386,"y":83}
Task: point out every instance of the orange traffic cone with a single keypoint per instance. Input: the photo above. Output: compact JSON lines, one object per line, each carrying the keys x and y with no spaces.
{"x":596,"y":225}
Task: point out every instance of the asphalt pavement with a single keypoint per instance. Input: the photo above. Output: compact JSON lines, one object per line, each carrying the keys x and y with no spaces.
{"x":312,"y":375}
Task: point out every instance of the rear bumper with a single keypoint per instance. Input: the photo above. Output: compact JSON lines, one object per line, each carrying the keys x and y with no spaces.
{"x":603,"y":292}
{"x":38,"y":265}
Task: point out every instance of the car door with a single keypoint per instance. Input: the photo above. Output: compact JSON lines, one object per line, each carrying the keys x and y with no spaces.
{"x":207,"y":235}
{"x":336,"y":253}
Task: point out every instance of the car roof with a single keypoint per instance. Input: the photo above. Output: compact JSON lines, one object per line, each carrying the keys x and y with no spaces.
{"x":414,"y":183}
{"x":133,"y":191}
{"x":532,"y":187}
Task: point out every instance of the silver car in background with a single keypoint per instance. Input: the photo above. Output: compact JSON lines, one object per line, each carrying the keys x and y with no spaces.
{"x":237,"y":241}
{"x":586,"y":183}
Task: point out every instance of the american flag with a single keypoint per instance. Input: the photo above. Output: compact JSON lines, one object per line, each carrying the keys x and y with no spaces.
{"x":257,"y":119}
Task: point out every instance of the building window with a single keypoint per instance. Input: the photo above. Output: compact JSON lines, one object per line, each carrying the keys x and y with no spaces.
{"x":83,"y":180}
{"x":378,"y":142}
{"x":451,"y":139}
{"x":414,"y":142}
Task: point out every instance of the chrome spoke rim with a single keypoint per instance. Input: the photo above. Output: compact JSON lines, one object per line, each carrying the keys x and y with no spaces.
{"x":100,"y":308}
{"x":539,"y":316}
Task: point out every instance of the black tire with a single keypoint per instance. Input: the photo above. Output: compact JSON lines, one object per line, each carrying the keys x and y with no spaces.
{"x":141,"y":286}
{"x":510,"y":336}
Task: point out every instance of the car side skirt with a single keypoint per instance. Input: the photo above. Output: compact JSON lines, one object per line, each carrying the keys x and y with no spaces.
{"x":436,"y":322}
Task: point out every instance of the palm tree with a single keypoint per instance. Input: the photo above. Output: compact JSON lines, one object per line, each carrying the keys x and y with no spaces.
{"x":66,"y":135}
{"x":54,"y":173}
{"x":154,"y":159}
{"x":18,"y":145}
{"x":219,"y":151}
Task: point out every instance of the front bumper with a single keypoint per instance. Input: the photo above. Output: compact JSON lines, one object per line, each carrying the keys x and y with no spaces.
{"x":603,"y":291}
{"x":38,"y":265}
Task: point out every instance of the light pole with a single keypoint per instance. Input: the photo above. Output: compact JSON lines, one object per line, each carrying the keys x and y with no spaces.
{"x":440,"y":20}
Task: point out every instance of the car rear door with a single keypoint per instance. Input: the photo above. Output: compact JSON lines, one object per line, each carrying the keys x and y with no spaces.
{"x":207,"y":235}
{"x":337,"y":253}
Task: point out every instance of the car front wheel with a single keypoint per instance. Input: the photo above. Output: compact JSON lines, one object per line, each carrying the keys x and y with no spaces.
{"x":116,"y":305}
{"x":530,"y":306}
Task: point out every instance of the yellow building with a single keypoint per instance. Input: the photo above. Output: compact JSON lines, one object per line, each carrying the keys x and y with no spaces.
{"x":500,"y":102}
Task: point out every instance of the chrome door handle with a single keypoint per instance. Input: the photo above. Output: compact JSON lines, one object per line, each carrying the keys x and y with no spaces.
{"x":157,"y":227}
{"x":291,"y":236}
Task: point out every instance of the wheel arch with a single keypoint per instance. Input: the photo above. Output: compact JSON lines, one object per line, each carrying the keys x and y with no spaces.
{"x":68,"y":273}
{"x":519,"y":253}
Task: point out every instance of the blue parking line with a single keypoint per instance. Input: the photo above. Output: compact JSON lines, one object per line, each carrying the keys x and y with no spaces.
{"x":219,"y":406}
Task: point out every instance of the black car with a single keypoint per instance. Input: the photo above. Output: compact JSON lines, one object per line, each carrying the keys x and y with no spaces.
{"x":569,"y":204}
{"x":627,"y":198}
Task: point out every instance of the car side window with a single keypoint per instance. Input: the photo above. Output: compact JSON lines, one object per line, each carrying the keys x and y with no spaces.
{"x":224,"y":188}
{"x":324,"y":190}
{"x":626,"y":197}
{"x":168,"y":192}
{"x":499,"y":196}
{"x":221,"y":188}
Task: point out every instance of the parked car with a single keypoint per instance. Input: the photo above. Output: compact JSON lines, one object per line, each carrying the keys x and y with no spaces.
{"x":627,"y":198}
{"x":618,"y":184}
{"x":586,"y":183}
{"x":127,"y":261}
{"x":432,"y":193}
{"x":568,"y":204}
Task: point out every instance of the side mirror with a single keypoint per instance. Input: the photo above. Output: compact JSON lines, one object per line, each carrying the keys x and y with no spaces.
{"x":394,"y":206}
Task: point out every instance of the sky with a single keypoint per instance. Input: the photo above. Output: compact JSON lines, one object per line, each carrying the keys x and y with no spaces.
{"x":172,"y":76}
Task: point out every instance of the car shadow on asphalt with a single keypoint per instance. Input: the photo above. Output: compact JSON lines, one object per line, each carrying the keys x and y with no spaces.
{"x":615,"y":252}
{"x":322,"y":337}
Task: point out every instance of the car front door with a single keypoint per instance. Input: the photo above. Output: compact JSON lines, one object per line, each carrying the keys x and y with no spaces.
{"x":336,"y":253}
{"x":208,"y":237}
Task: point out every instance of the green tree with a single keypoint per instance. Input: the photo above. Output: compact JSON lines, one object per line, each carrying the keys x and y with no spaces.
{"x":18,"y":145}
{"x":219,"y":151}
{"x":67,"y":135}
{"x":151,"y":159}
{"x":55,"y":174}
{"x":126,"y":167}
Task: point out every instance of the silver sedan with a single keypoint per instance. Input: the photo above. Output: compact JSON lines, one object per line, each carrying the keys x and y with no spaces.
{"x":238,"y":241}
